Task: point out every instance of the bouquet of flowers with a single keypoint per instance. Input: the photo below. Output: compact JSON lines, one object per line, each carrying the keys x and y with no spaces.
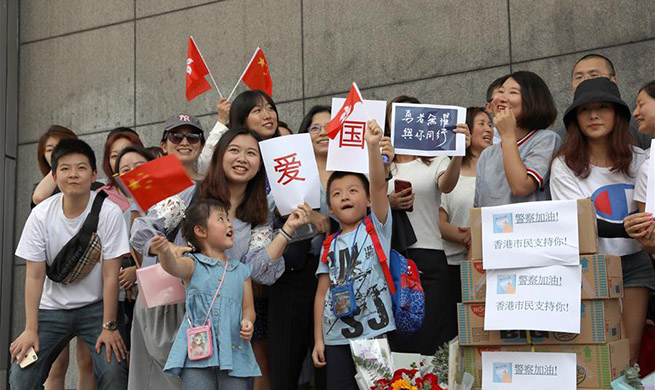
{"x":408,"y":379}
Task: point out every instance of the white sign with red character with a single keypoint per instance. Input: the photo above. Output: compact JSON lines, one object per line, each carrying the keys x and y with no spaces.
{"x":347,"y":151}
{"x":292,"y":171}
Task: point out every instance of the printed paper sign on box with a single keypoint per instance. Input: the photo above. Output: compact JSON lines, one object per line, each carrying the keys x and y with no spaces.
{"x":533,"y":234}
{"x":528,"y":370}
{"x":539,"y":298}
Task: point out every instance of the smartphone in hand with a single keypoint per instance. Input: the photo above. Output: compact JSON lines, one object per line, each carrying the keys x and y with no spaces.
{"x":400,"y":185}
{"x":29,"y":358}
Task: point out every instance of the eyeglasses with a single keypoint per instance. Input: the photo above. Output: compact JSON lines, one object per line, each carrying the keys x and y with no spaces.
{"x":177,"y":137}
{"x":317,"y":128}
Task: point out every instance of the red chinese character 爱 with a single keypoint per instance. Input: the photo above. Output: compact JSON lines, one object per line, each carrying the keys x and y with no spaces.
{"x":289,"y":167}
{"x":352,"y":134}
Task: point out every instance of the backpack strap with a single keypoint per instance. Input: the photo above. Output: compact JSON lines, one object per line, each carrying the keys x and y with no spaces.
{"x":90,"y":224}
{"x":370,"y":229}
{"x":326,"y":246}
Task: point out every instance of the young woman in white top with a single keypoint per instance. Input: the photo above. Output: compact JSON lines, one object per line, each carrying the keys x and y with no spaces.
{"x":640,"y":226}
{"x":456,"y":205}
{"x":429,"y":178}
{"x":598,"y":161}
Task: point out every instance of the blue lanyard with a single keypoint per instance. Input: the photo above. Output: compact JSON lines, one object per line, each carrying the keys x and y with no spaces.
{"x":352,"y":249}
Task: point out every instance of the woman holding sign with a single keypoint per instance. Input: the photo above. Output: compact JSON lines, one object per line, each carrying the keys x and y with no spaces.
{"x":236,"y":178}
{"x":598,"y":161}
{"x":416,"y":187}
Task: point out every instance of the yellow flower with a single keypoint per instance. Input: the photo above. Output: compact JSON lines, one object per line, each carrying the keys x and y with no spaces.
{"x":403,"y":384}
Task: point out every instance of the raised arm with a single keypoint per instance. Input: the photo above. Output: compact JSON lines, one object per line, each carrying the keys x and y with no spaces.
{"x":377,"y":173}
{"x":223,"y":106}
{"x":449,"y":178}
{"x":520,"y":182}
{"x":171,"y":259}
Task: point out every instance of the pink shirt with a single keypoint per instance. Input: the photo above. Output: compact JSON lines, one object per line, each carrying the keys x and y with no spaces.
{"x":115,"y":196}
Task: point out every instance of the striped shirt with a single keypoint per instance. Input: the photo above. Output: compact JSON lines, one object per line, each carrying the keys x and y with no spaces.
{"x":536,"y":150}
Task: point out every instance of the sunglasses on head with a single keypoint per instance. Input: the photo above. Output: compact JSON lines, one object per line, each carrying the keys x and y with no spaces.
{"x":177,"y":137}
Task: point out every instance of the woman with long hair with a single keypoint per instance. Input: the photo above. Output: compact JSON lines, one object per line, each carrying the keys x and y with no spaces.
{"x":598,"y":159}
{"x":236,"y":178}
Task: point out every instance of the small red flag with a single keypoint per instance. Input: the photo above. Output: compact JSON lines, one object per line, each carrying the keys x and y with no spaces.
{"x":256,"y":75}
{"x":155,"y":181}
{"x":336,"y":124}
{"x":196,"y":70}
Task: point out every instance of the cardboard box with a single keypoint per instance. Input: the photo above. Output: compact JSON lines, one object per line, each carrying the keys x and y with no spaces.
{"x":602,"y":278}
{"x":471,"y":359}
{"x":587,"y":229}
{"x":600,"y":322}
{"x":598,"y":365}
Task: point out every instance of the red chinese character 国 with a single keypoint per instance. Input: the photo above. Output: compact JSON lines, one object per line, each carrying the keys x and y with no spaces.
{"x":352,"y":134}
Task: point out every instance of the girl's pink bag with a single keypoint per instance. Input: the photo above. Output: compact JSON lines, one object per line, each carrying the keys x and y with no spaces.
{"x":158,"y":288}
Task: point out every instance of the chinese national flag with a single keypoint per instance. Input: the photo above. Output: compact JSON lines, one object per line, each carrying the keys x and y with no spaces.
{"x":196,"y":70}
{"x":155,"y":181}
{"x":336,"y":124}
{"x":256,"y":75}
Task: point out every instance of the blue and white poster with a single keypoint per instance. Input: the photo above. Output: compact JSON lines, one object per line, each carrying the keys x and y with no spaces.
{"x":427,"y":129}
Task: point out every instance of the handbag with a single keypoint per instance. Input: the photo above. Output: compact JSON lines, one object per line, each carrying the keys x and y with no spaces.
{"x":199,"y":338}
{"x":82,"y":252}
{"x":159,"y":288}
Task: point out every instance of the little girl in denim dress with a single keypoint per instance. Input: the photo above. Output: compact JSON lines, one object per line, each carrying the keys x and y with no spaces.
{"x":212,"y":348}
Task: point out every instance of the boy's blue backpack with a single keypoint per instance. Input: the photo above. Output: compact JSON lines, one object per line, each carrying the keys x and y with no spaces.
{"x":403,"y":280}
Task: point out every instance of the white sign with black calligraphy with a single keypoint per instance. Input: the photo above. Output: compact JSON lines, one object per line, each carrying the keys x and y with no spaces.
{"x":427,"y":129}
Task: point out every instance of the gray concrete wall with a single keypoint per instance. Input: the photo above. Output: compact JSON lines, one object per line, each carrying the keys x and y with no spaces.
{"x":92,"y":65}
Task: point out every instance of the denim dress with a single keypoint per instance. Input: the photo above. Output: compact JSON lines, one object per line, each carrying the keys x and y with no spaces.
{"x":230,"y":352}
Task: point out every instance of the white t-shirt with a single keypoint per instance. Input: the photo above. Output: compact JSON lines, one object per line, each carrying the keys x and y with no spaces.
{"x":457,"y":205}
{"x":427,"y":198}
{"x":47,"y":230}
{"x":611,"y":192}
{"x":641,"y":187}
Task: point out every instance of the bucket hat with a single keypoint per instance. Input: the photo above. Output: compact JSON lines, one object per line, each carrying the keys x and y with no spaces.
{"x":599,"y":89}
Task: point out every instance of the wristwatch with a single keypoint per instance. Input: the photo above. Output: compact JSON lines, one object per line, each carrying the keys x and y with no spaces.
{"x":109,"y":325}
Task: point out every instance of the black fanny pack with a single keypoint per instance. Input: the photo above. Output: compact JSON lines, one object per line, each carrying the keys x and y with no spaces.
{"x":82,"y":252}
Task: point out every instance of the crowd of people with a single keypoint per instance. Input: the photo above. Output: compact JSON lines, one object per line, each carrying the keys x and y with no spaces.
{"x":261,"y":306}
